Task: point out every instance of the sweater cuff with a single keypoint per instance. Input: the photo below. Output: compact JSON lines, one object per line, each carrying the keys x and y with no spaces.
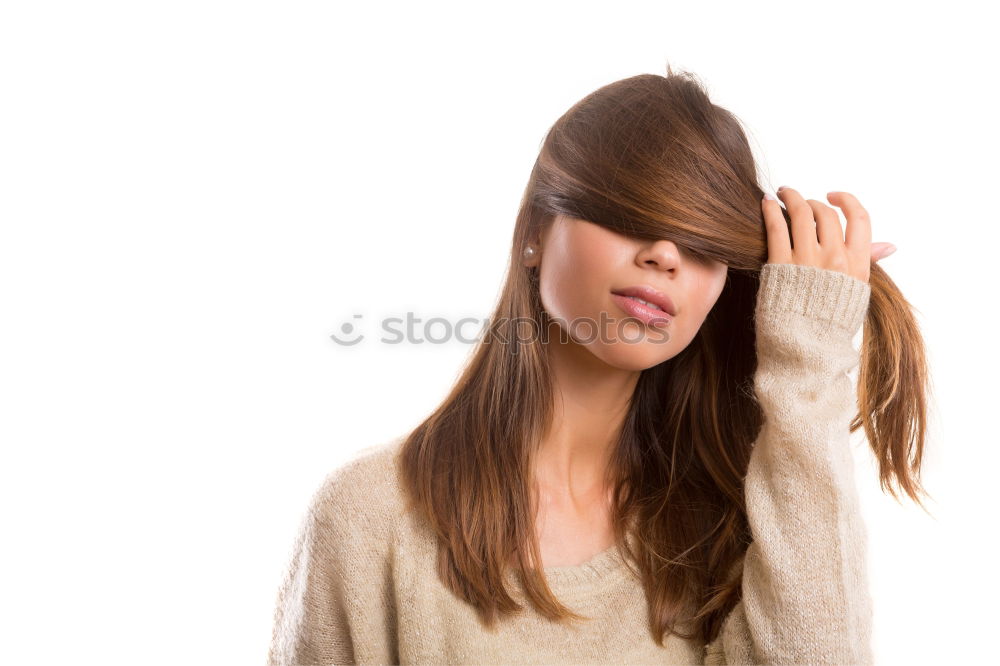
{"x":835,"y":300}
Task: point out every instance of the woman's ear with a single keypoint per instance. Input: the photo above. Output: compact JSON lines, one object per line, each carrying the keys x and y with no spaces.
{"x":531,"y":253}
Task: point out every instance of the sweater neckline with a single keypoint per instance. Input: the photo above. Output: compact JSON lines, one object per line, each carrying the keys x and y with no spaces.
{"x":582,"y":580}
{"x":592,"y":570}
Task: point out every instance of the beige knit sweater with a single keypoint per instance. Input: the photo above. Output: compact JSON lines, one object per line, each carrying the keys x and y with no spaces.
{"x":362,"y":586}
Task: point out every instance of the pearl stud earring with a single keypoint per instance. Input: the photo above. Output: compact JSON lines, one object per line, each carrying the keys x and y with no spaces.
{"x":529,"y":252}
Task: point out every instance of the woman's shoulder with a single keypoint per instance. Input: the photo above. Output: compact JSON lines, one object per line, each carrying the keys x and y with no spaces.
{"x":364,"y":490}
{"x":373,"y":465}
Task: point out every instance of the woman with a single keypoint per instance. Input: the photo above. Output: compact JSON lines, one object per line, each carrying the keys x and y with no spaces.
{"x":647,"y":458}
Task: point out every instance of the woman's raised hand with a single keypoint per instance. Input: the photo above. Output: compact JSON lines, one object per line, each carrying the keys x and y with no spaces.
{"x":818,"y":236}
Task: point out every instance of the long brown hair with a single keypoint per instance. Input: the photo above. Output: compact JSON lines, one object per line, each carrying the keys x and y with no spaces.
{"x":650,"y":157}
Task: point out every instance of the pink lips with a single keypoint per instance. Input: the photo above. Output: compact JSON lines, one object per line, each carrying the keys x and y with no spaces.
{"x":651,"y":295}
{"x":644,"y":313}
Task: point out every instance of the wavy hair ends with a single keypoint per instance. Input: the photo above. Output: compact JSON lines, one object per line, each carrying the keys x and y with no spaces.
{"x":649,"y":156}
{"x":894,"y":387}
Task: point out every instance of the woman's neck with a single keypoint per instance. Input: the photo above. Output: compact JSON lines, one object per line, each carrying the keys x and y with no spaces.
{"x":590,"y":401}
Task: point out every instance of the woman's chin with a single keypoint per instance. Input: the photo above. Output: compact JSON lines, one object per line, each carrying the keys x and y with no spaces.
{"x":634,"y":357}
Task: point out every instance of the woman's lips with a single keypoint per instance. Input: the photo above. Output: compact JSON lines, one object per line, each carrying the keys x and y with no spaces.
{"x":644,"y":313}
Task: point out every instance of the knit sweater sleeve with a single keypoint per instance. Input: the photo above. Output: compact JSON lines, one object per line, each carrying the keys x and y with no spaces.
{"x":336,"y":603}
{"x":805,"y":596}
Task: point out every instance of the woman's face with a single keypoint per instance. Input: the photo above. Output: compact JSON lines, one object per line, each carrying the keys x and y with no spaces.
{"x":581,"y":266}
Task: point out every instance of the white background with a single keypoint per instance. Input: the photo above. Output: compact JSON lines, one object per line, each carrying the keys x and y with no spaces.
{"x":195,"y":195}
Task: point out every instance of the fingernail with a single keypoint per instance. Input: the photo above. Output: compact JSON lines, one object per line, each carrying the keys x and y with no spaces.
{"x":768,"y":195}
{"x":782,"y":187}
{"x":887,"y":251}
